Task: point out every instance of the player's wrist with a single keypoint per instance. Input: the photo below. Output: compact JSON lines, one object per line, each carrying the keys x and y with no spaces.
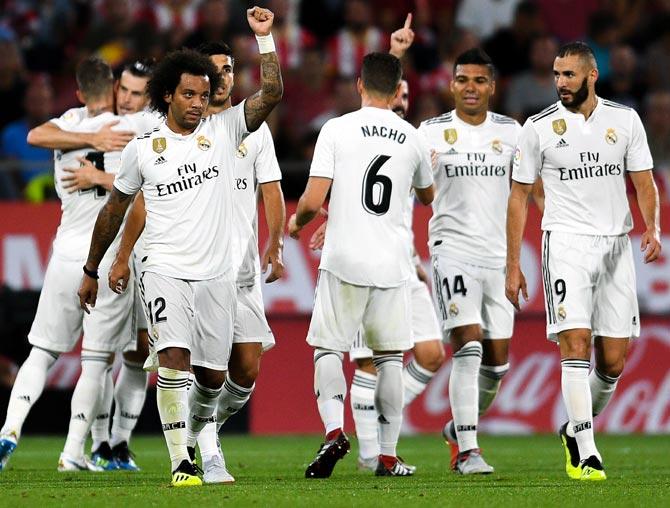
{"x":266,"y":43}
{"x":91,"y":272}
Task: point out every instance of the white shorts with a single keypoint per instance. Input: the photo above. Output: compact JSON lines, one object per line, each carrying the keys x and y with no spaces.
{"x":59,"y":320}
{"x":425,"y":326}
{"x":140,"y":311}
{"x":341,"y":308}
{"x":194,"y":315}
{"x":467,"y":294}
{"x":589,"y":282}
{"x":251,"y":324}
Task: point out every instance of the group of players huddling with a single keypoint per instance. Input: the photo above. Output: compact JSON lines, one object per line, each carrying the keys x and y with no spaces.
{"x":183,"y":267}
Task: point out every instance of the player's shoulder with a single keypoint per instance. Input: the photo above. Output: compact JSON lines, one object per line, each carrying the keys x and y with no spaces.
{"x":608,"y":104}
{"x":444,"y":118}
{"x":618,"y":113}
{"x":73,"y":115}
{"x":545,"y":115}
{"x":499,"y":119}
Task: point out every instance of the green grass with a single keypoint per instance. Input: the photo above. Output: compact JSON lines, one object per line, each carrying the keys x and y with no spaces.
{"x":269,"y":472}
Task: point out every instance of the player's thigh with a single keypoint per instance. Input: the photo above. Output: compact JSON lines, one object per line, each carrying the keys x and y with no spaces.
{"x":58,"y":321}
{"x":457,"y":291}
{"x":495,"y":351}
{"x":425,"y":326}
{"x":387,"y":319}
{"x":568,"y":271}
{"x":251,"y":325}
{"x":497,"y":311}
{"x":215,"y":305}
{"x":616,"y":312}
{"x":338,"y":313}
{"x":169,"y":304}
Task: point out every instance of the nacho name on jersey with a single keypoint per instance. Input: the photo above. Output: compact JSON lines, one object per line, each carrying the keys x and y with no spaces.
{"x":383,"y":132}
{"x":189,"y":176}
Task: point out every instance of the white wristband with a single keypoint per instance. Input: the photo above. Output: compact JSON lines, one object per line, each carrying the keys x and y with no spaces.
{"x":266,"y":44}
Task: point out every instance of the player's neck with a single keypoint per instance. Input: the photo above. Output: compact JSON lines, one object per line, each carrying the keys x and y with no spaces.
{"x":472,"y":118}
{"x":370,"y":101}
{"x":213,"y":110}
{"x":586,"y":107}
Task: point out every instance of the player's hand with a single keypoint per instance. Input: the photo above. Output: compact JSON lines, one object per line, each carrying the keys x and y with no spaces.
{"x":402,"y":38}
{"x":273,"y":256}
{"x":83,"y":177}
{"x":88,"y":293}
{"x":651,"y":243}
{"x":260,"y":20}
{"x":318,"y":238}
{"x":108,"y":140}
{"x":293,"y":228}
{"x":119,"y":275}
{"x":421,"y":273}
{"x":515,"y":282}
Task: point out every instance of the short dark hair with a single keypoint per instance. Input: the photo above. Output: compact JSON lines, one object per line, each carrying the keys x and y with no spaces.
{"x":141,"y":68}
{"x":475,"y":56}
{"x":167,"y":75}
{"x":94,"y":77}
{"x":216,"y":48}
{"x":580,"y":49}
{"x":381,"y":73}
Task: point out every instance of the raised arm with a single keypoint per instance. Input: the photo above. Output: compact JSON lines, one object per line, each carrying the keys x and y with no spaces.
{"x":275,"y":216}
{"x":119,"y":274}
{"x":517,"y":212}
{"x":49,"y":135}
{"x":259,"y":105}
{"x":647,"y":200}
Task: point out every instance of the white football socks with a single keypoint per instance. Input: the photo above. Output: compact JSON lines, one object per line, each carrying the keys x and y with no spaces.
{"x":28,"y":386}
{"x":85,"y":401}
{"x":330,"y":388}
{"x":129,"y":395}
{"x":388,"y":401}
{"x":100,"y":427}
{"x":365,"y":415}
{"x":415,"y":379}
{"x":233,"y":398}
{"x":172,"y":401}
{"x":464,"y":393}
{"x":602,"y":389}
{"x":202,"y":403}
{"x":577,"y":399}
{"x":490,"y":377}
{"x":208,"y":442}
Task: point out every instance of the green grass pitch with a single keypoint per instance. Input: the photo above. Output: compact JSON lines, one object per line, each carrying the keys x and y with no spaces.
{"x":269,"y":472}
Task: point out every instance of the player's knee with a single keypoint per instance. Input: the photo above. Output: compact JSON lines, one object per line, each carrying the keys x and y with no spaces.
{"x":209,"y":378}
{"x":432,"y":359}
{"x":244,"y":375}
{"x":366,"y":365}
{"x":611,"y":368}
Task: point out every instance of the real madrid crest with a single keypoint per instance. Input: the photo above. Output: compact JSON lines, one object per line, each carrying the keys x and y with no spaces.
{"x":497,"y":146}
{"x":450,"y":136}
{"x":203,"y":143}
{"x":453,"y":310}
{"x":159,"y":145}
{"x":559,"y":126}
{"x":242,"y":151}
{"x":610,"y":136}
{"x":561,"y":313}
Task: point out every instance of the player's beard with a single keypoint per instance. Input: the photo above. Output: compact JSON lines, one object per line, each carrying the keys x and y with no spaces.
{"x":400,"y":111}
{"x":578,"y":97}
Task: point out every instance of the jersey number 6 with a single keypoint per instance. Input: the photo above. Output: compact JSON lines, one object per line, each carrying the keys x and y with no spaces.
{"x":377,"y":188}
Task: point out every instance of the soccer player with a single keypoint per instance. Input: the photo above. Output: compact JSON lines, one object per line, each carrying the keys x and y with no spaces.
{"x":256,"y":168}
{"x":582,"y":147}
{"x":59,"y":320}
{"x":185,"y":171}
{"x":369,"y":160}
{"x":474,"y":149}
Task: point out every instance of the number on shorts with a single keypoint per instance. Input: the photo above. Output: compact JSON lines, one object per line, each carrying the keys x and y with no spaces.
{"x":559,"y":286}
{"x":381,"y":183}
{"x":458,"y":286}
{"x":156,"y":308}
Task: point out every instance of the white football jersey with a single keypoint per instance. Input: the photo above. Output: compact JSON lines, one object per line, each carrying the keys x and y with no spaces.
{"x":187,"y":181}
{"x":472,"y":182}
{"x":374,"y":158}
{"x":80,"y":209}
{"x":582,"y":165}
{"x":255,"y":163}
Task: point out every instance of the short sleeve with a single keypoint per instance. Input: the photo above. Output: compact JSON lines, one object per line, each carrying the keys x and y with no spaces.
{"x":323,"y":162}
{"x":142,"y":121}
{"x":70,"y":119}
{"x":129,"y":179}
{"x":266,"y":165}
{"x":638,"y":156}
{"x":234,"y":122}
{"x":423,"y":175}
{"x":527,"y":159}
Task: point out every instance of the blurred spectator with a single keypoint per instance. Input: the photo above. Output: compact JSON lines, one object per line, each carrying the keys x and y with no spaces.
{"x":214,"y":24}
{"x":623,"y":85}
{"x":290,"y":39}
{"x":322,"y":17}
{"x":509,"y":48}
{"x":173,"y":18}
{"x":347,"y":100}
{"x":485,"y":17}
{"x":425,"y":107}
{"x":357,"y":38}
{"x":533,"y":90}
{"x":602,"y":36}
{"x":35,"y":162}
{"x":567,"y":19}
{"x":12,"y":80}
{"x":657,"y":124}
{"x":657,"y":58}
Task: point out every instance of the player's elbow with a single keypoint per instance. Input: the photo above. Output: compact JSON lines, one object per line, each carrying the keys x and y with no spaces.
{"x":425,"y":196}
{"x":34,"y":137}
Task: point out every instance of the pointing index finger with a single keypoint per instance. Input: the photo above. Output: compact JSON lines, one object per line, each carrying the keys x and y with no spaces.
{"x":408,"y":20}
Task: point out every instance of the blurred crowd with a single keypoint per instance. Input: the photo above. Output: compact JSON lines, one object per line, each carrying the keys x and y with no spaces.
{"x":321,"y":44}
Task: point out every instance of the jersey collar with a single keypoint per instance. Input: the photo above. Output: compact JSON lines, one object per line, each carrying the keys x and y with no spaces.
{"x":591,"y":118}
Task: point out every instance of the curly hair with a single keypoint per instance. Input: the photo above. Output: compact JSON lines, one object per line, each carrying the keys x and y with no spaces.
{"x":167,"y":75}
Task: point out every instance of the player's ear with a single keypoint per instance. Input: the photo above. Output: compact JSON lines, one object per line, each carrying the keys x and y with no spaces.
{"x":80,"y":97}
{"x":167,"y":97}
{"x":359,"y":86}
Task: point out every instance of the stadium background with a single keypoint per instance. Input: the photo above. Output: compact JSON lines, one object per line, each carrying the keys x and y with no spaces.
{"x":320,"y":45}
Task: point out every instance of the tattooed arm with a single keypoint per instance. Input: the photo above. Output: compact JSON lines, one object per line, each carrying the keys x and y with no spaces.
{"x":106,"y":228}
{"x":258,"y":106}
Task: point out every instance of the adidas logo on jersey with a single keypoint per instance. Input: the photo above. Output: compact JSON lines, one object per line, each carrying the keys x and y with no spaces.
{"x":452,"y":151}
{"x":562,"y":144}
{"x":160,"y":160}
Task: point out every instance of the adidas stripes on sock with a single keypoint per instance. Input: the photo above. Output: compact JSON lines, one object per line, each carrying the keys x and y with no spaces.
{"x":464,"y":393}
{"x":172,"y":401}
{"x":330,"y":388}
{"x":490,"y":377}
{"x":602,"y":388}
{"x":577,"y":399}
{"x":415,"y":380}
{"x":233,"y":398}
{"x":362,"y":397}
{"x":202,"y":403}
{"x":129,"y":395}
{"x":388,"y":401}
{"x":28,"y":386}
